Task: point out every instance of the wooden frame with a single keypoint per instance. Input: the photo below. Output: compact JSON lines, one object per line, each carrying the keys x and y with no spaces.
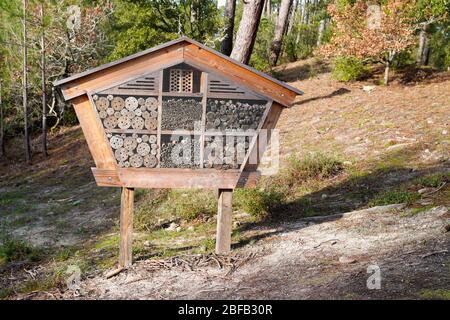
{"x":143,"y":75}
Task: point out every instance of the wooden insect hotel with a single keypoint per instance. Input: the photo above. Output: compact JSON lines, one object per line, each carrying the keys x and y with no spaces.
{"x":179,"y":115}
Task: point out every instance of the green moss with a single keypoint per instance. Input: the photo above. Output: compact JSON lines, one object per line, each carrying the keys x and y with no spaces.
{"x":442,"y":294}
{"x":108,"y":242}
{"x":394,"y":197}
{"x":433,"y":180}
{"x":418,"y":210}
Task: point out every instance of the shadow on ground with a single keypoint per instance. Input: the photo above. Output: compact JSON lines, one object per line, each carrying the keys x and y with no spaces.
{"x":302,"y":71}
{"x":355,"y":192}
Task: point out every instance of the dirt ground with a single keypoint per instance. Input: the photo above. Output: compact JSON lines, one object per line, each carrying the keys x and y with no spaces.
{"x":387,"y":137}
{"x":316,"y":258}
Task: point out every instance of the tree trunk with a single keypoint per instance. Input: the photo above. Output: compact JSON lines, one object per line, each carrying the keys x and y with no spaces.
{"x":280,"y":28}
{"x":387,"y":66}
{"x":320,"y":32}
{"x":422,"y":41}
{"x":292,"y":16}
{"x":44,"y":96}
{"x":267,"y":8}
{"x":227,"y":42}
{"x":2,"y":130}
{"x":306,"y":8}
{"x":25,"y":85}
{"x":386,"y":73}
{"x":426,"y":55}
{"x":248,"y":28}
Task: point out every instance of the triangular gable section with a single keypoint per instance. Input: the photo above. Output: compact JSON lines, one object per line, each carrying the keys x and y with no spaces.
{"x":183,"y":50}
{"x":149,"y":83}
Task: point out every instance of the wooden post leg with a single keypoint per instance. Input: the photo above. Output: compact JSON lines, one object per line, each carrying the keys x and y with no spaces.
{"x":126,"y":227}
{"x":224,"y":226}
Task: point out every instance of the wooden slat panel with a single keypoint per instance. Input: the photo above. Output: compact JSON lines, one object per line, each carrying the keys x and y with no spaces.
{"x":94,"y":133}
{"x":124,"y":71}
{"x":174,"y":178}
{"x":154,"y":178}
{"x":204,"y":59}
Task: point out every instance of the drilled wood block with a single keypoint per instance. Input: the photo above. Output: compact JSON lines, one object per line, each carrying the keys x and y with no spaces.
{"x":181,"y":80}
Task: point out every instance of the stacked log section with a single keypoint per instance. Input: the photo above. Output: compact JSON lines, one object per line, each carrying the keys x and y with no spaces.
{"x":181,"y":114}
{"x":127,"y":112}
{"x":180,"y":151}
{"x":134,"y":150}
{"x":234,"y":115}
{"x":225,"y":152}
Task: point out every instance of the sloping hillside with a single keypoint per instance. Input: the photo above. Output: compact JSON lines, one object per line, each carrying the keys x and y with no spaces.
{"x":393,"y":144}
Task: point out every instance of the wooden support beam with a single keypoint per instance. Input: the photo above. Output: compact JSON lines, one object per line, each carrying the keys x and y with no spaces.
{"x":224,"y":225}
{"x":126,"y":227}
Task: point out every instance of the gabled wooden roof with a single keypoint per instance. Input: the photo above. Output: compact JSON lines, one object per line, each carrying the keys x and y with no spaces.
{"x":173,"y":52}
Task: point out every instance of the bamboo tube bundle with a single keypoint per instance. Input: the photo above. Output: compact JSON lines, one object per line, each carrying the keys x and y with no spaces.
{"x":181,"y":113}
{"x":180,"y":152}
{"x":225,"y":153}
{"x":234,"y":115}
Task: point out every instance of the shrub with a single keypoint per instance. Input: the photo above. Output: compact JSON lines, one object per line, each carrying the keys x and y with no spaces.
{"x":403,"y":59}
{"x":433,"y":180}
{"x":258,"y":202}
{"x":349,"y":69}
{"x":311,"y":166}
{"x":12,"y":249}
{"x":440,"y":50}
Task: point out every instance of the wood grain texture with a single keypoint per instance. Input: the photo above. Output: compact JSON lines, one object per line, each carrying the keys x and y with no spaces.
{"x":224,"y":221}
{"x":106,"y":178}
{"x":126,"y":228}
{"x":174,"y":178}
{"x":94,"y":133}
{"x":122,"y":72}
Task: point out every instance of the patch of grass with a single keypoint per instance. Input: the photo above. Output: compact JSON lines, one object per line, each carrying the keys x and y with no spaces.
{"x":108,"y":243}
{"x":418,"y":210}
{"x":65,"y":253}
{"x":312,"y":166}
{"x":166,"y":205}
{"x":433,"y":180}
{"x":12,"y":249}
{"x":11,"y":197}
{"x":394,"y":197}
{"x":258,"y":202}
{"x":6,"y":292}
{"x":207,"y":245}
{"x":441,"y":294}
{"x":191,"y":204}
